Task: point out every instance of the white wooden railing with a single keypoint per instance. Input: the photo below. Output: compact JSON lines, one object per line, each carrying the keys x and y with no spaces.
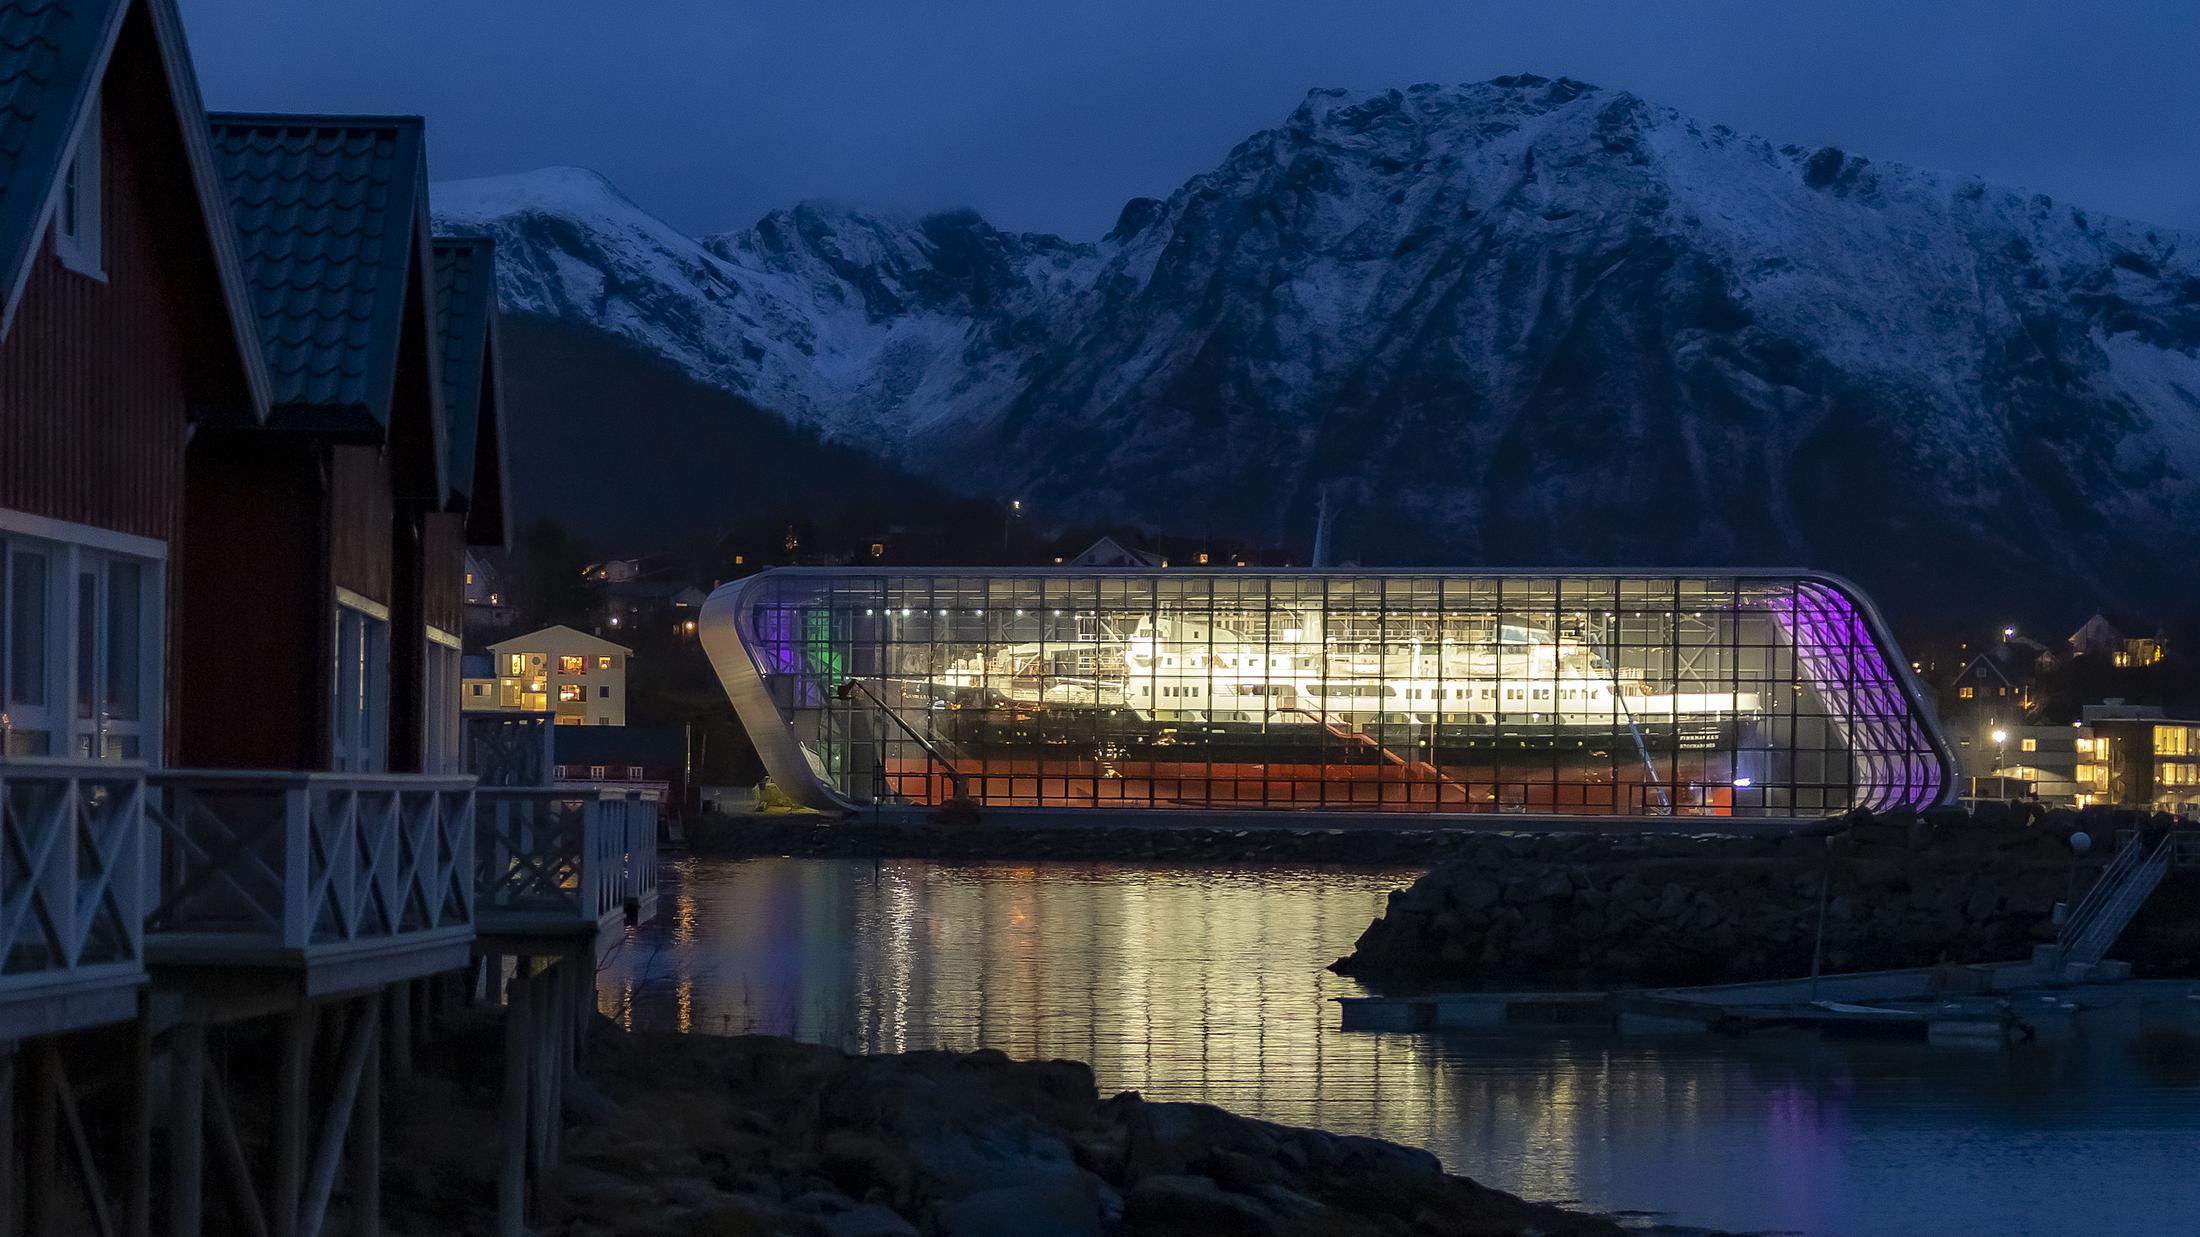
{"x":509,"y":749}
{"x":72,"y":891}
{"x":311,"y":860}
{"x":641,"y":858}
{"x":549,"y":856}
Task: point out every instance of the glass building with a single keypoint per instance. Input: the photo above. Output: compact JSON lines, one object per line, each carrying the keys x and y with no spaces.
{"x":1749,"y":694}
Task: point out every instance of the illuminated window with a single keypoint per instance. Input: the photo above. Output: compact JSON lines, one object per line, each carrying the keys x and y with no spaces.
{"x":572,"y":663}
{"x":603,"y":663}
{"x":1965,"y":693}
{"x":571,"y":693}
{"x":469,"y":578}
{"x":2175,"y":741}
{"x":2029,"y":745}
{"x":515,"y":665}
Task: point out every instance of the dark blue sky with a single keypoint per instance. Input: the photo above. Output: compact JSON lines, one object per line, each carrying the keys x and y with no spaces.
{"x":1047,"y":114}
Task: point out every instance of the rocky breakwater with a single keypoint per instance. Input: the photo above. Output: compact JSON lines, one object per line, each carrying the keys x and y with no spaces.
{"x":1902,"y":890}
{"x":693,"y":1134}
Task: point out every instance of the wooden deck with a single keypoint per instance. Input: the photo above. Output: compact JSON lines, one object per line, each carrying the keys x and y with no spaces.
{"x":319,"y":884}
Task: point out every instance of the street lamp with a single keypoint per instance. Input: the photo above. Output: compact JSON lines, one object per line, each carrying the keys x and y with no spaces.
{"x":2001,"y":748}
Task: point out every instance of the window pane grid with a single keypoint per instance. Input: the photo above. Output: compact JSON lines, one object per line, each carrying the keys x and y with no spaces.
{"x":1430,"y":693}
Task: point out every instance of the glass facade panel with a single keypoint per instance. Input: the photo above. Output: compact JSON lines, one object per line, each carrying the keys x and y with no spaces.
{"x":1579,"y":694}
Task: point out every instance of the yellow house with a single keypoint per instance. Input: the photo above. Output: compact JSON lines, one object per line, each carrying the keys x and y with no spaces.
{"x":579,"y":678}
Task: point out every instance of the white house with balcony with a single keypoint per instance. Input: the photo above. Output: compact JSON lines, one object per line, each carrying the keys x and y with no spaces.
{"x":577,"y":678}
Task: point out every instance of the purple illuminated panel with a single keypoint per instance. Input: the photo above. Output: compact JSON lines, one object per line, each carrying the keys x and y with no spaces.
{"x":1895,"y":763}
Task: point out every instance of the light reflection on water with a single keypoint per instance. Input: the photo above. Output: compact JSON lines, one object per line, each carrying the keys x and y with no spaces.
{"x":1207,"y":984}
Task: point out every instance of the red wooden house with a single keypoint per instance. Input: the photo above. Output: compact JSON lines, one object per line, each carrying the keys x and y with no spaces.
{"x":126,"y":330}
{"x":249,"y":426}
{"x":344,"y":519}
{"x":236,"y":480}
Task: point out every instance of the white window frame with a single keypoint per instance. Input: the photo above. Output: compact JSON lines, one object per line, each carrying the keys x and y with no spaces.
{"x":359,"y":685}
{"x":95,"y":732}
{"x":77,"y":238}
{"x":70,"y":550}
{"x":443,"y":699}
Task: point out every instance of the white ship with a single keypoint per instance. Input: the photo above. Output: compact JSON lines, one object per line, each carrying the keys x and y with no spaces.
{"x":1168,"y":669}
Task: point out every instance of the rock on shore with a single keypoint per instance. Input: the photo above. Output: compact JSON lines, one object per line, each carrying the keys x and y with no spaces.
{"x":1558,"y":912}
{"x":692,"y":1134}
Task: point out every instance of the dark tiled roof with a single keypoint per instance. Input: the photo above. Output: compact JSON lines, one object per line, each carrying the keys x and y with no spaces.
{"x":465,"y":297}
{"x":326,"y":208}
{"x":49,"y":51}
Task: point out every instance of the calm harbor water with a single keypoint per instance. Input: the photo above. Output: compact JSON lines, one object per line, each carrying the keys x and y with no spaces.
{"x":1207,"y":984}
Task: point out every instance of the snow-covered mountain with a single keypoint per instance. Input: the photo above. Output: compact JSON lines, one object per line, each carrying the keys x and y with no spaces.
{"x":866,"y":327}
{"x":1518,"y":321}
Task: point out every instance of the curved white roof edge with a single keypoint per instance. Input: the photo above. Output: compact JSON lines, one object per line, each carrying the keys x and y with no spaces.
{"x":729,"y":644}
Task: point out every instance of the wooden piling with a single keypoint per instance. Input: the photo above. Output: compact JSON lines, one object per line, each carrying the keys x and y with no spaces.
{"x":229,"y":1150}
{"x":538,"y":1073}
{"x":336,"y":1122}
{"x":366,"y":1132}
{"x":293,"y":1054}
{"x":42,"y":1155}
{"x":187,"y":1132}
{"x":137,"y":1188}
{"x":398,"y":1056}
{"x":561,"y":1059}
{"x":10,"y":1197}
{"x":512,"y":1153}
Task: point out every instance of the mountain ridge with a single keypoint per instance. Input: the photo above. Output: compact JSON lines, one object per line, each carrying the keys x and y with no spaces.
{"x":1523,"y":320}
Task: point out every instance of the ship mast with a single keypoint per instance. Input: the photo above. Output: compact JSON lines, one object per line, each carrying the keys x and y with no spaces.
{"x":1322,"y":519}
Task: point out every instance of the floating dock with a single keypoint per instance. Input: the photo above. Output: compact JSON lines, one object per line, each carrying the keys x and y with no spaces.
{"x":1993,"y":1005}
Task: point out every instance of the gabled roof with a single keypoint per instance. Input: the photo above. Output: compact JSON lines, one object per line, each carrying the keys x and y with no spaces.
{"x":331,"y":215}
{"x":465,"y":296}
{"x":560,"y":636}
{"x":54,"y":55}
{"x":1108,"y":552}
{"x":2122,"y":625}
{"x":1985,"y":661}
{"x":51,"y":56}
{"x":473,"y":393}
